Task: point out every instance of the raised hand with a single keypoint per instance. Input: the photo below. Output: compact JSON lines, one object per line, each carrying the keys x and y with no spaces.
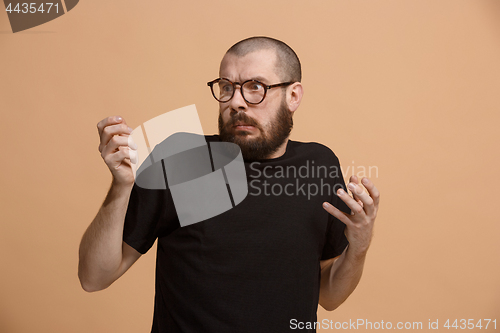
{"x":117,"y":149}
{"x":364,"y":207}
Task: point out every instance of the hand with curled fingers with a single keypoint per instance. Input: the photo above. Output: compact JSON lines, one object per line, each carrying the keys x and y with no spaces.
{"x":117,"y":149}
{"x":364,"y":207}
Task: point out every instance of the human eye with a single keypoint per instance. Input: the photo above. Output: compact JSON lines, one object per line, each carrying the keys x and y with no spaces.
{"x":255,"y":86}
{"x":225,"y":86}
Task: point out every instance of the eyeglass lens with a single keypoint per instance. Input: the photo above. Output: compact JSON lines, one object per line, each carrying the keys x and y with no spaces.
{"x":253,"y":91}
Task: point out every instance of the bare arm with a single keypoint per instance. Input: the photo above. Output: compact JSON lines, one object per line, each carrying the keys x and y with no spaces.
{"x":339,"y":278}
{"x":103,"y":256}
{"x":341,"y":275}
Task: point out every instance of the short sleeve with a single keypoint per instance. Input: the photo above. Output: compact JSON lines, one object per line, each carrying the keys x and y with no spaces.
{"x":336,"y":241}
{"x":150,"y":214}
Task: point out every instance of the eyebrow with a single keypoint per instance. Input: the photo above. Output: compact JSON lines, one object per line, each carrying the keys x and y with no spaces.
{"x":259,"y":78}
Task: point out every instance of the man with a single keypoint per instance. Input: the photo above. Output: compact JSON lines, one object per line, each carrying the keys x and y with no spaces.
{"x":264,"y":265}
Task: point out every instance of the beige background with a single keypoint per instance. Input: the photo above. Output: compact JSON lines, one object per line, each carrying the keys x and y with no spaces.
{"x":408,"y":86}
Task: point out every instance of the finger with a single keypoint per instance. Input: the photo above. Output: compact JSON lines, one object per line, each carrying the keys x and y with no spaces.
{"x":122,"y":156}
{"x":362,"y":196}
{"x":343,"y":217}
{"x":374,"y":192}
{"x":116,"y":142}
{"x":354,"y":179}
{"x":350,"y":202}
{"x":109,"y":121}
{"x":111,"y":130}
{"x":133,"y":156}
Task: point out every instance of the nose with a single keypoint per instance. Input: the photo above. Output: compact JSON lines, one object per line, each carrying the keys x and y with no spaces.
{"x":238,"y":103}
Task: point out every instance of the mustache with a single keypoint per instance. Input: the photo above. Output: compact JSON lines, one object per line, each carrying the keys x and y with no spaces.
{"x":241,"y":117}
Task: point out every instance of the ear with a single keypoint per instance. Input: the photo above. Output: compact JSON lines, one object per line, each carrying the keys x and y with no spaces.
{"x":294,"y":96}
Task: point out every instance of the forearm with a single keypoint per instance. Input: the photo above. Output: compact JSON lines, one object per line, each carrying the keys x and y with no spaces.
{"x":100,"y":254}
{"x":338,"y":280}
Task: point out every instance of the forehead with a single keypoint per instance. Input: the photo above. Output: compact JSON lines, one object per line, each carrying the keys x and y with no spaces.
{"x":254,"y":65}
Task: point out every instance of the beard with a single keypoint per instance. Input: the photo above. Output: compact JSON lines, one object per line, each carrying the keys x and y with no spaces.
{"x":267,"y":142}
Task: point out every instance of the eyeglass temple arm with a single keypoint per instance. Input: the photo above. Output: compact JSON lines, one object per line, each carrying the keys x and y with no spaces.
{"x":279,"y":85}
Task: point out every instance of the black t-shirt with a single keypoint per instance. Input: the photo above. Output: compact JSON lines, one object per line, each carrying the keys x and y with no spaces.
{"x":255,"y":267}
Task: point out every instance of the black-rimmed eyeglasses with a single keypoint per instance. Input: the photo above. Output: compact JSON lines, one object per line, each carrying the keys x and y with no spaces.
{"x":253,"y":91}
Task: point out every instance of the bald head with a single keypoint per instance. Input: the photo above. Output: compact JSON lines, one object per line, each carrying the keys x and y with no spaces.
{"x":287,"y":63}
